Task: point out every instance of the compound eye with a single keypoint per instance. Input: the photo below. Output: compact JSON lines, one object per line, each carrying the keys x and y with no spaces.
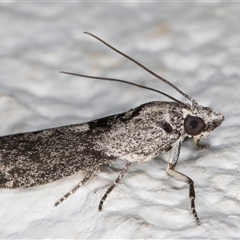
{"x":194,"y":125}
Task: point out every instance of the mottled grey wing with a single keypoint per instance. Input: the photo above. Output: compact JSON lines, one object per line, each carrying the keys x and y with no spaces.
{"x":40,"y":157}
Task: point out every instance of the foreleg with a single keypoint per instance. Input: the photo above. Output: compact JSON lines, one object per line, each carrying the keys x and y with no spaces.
{"x":181,"y":177}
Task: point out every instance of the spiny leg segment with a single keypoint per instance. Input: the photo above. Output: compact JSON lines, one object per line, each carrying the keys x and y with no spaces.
{"x":85,"y":180}
{"x":183,"y":178}
{"x":120,"y":176}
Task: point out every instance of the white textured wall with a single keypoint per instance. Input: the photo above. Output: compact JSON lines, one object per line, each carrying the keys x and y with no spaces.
{"x":194,"y":45}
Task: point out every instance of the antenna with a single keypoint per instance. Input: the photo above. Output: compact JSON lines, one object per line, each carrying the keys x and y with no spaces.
{"x":124,"y":81}
{"x":146,"y":69}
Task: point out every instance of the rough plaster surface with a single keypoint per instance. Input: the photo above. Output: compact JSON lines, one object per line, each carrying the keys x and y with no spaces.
{"x":194,"y":45}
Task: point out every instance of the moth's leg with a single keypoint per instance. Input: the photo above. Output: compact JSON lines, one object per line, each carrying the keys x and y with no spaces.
{"x":198,"y":145}
{"x":181,"y":177}
{"x":85,"y":179}
{"x":120,"y":176}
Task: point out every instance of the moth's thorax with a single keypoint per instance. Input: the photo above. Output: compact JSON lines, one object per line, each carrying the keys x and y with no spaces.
{"x":142,"y":133}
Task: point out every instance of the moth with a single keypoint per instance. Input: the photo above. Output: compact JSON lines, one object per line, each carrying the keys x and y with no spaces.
{"x":138,"y":135}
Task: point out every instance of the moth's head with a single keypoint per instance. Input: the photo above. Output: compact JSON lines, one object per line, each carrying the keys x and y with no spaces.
{"x":200,"y":121}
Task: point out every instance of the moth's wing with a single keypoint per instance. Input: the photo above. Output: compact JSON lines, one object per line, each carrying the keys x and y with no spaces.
{"x":40,"y":157}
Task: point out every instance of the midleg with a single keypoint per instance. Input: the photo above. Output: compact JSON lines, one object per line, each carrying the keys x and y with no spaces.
{"x":120,"y":176}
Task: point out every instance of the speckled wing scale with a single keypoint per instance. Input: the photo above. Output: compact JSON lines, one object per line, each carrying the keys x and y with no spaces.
{"x":138,"y":135}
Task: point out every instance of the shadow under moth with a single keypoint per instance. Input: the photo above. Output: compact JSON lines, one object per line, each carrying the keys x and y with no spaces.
{"x":138,"y":135}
